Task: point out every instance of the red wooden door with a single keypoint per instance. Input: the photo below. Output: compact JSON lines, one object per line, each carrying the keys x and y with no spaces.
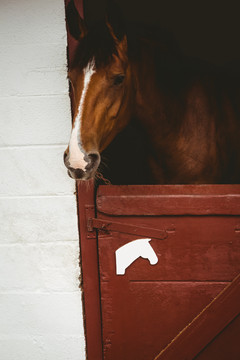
{"x":198,"y":250}
{"x":195,"y":234}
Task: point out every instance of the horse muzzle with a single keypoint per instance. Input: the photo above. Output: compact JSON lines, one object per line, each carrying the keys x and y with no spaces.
{"x":86,"y":173}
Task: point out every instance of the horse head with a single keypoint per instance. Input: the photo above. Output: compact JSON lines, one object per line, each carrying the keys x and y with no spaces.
{"x":100,"y":78}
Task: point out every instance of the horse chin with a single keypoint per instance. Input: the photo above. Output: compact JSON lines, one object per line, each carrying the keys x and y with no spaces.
{"x":81,"y":175}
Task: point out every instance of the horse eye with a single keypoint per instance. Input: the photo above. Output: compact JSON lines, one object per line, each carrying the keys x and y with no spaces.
{"x":118,"y":80}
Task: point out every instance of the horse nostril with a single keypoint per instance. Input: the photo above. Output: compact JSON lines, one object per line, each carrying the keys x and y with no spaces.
{"x":94,"y":157}
{"x":94,"y":161}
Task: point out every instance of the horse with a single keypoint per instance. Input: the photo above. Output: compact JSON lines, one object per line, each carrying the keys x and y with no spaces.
{"x":131,"y":251}
{"x":188,"y":112}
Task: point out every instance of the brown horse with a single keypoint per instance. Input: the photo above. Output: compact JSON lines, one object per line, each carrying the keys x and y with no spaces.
{"x":189,"y":113}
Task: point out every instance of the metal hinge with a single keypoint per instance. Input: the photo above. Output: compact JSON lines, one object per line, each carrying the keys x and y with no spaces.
{"x":109,"y":226}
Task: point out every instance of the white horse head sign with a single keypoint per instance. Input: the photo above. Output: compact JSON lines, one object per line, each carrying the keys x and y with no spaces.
{"x":130,"y":252}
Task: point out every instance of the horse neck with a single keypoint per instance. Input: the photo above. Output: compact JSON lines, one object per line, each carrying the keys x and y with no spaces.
{"x":151,"y":102}
{"x":158,"y":112}
{"x":149,"y":97}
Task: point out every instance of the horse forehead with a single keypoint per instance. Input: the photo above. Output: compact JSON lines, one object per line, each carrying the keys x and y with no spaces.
{"x":85,"y":75}
{"x":78,"y":75}
{"x":83,"y":79}
{"x":97,"y":76}
{"x":93,"y":77}
{"x":90,"y":68}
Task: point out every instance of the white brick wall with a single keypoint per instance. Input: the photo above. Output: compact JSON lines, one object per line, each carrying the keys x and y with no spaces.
{"x":40,"y":302}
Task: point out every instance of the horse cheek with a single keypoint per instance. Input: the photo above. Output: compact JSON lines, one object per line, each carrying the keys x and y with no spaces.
{"x":106,"y":135}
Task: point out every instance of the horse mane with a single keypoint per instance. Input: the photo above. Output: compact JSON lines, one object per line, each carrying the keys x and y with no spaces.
{"x":100,"y":45}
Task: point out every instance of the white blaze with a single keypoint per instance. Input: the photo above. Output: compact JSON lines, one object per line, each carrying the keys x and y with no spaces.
{"x":76,"y":154}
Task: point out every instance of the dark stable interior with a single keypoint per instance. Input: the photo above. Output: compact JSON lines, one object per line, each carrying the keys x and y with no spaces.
{"x":206,"y":30}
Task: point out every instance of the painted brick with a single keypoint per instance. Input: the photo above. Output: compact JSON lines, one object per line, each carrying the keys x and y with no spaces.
{"x":38,"y":219}
{"x":33,"y":70}
{"x":40,"y":299}
{"x":30,"y":21}
{"x":42,"y":347}
{"x":37,"y":170}
{"x":41,"y":314}
{"x":35,"y":120}
{"x":44,"y":267}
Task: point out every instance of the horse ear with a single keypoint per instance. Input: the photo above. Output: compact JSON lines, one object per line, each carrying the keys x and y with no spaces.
{"x":122,"y":49}
{"x":116,"y":26}
{"x":115,"y":21}
{"x":76,"y":24}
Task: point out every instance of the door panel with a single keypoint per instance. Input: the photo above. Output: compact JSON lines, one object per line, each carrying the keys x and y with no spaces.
{"x":144,"y":309}
{"x":225,"y":345}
